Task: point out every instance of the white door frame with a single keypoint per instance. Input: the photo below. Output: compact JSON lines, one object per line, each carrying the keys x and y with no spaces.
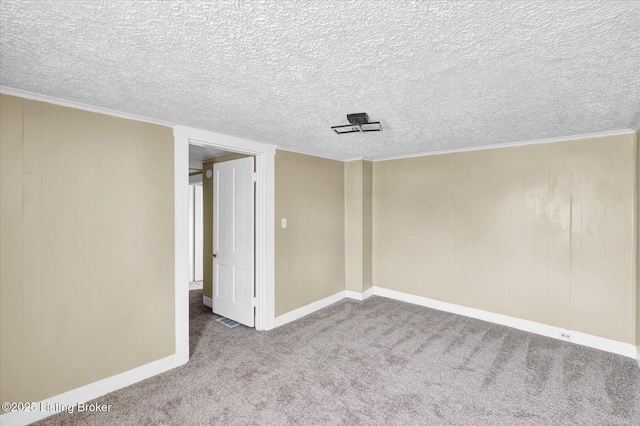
{"x":265,"y":226}
{"x":192,"y":233}
{"x":196,"y":245}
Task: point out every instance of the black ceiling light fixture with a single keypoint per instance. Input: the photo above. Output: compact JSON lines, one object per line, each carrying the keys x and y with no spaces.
{"x":359,"y":123}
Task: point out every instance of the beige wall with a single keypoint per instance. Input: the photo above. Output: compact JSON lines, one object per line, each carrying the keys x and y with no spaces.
{"x":87,"y":248}
{"x":541,"y":232}
{"x":358,"y":205}
{"x":207,"y":230}
{"x":310,"y":252}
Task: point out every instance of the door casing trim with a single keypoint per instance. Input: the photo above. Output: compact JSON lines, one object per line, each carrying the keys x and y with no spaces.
{"x":264,"y":229}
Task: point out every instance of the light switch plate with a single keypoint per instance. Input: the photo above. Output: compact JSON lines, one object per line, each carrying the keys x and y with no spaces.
{"x":284,"y":222}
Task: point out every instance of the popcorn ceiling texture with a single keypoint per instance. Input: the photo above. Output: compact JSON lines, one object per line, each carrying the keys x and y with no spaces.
{"x":439,"y":75}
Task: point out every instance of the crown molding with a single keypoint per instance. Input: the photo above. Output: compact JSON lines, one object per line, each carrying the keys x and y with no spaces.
{"x":472,"y":148}
{"x":312,"y":154}
{"x":79,"y":105}
{"x":512,"y":144}
{"x":92,"y":108}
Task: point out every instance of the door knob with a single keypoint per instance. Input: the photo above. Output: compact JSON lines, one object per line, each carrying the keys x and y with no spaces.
{"x":215,"y":255}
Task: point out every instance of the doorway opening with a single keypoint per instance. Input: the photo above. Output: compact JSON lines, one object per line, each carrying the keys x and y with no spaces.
{"x":264,"y":225}
{"x":200,"y":214}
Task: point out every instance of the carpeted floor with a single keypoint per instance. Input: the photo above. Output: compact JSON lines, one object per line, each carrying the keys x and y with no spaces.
{"x":377,"y":362}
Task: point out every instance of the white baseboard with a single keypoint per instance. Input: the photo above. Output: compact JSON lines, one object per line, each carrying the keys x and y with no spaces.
{"x":579,"y":338}
{"x":359,"y":296}
{"x":584,"y":339}
{"x":320,"y":304}
{"x":310,"y":308}
{"x":350,"y":294}
{"x":94,"y":390}
{"x":367,"y":293}
{"x":207,"y":301}
{"x":69,"y":400}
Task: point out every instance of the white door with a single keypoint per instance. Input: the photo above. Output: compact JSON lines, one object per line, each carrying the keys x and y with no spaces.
{"x":233,"y":240}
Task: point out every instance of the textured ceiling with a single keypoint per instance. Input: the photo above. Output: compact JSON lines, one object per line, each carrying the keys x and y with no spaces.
{"x":438,"y":75}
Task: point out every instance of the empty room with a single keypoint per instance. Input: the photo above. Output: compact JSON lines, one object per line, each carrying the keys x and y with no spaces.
{"x":319,"y":212}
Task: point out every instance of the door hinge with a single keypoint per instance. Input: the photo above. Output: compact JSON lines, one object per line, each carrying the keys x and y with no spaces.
{"x":255,"y":177}
{"x":254,"y":302}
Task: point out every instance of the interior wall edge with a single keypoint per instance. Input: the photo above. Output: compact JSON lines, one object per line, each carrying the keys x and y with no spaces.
{"x":181,"y":247}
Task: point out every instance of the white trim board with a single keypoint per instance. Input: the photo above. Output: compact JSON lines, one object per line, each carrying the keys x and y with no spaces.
{"x":620,"y":348}
{"x":79,"y":105}
{"x":87,"y":107}
{"x":321,"y":304}
{"x":470,"y":148}
{"x":207,"y":301}
{"x":312,"y":154}
{"x":181,"y":238}
{"x":509,"y":144}
{"x":638,"y":356}
{"x":264,"y":219}
{"x":359,"y":296}
{"x":310,"y":308}
{"x":88,"y":392}
{"x":579,"y":338}
{"x":119,"y":381}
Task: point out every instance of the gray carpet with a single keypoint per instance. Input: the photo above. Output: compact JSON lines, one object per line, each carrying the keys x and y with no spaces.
{"x":377,"y":362}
